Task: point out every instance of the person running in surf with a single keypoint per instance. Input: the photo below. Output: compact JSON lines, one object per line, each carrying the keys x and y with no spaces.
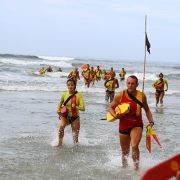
{"x":131,"y":124}
{"x":98,"y":73}
{"x":104,"y":74}
{"x":122,"y":74}
{"x":49,"y":69}
{"x":92,"y":75}
{"x":75,"y":104}
{"x":42,"y":71}
{"x":74,"y":74}
{"x":112,"y":71}
{"x":159,"y":86}
{"x":86,"y":74}
{"x":59,"y":70}
{"x":111,"y":84}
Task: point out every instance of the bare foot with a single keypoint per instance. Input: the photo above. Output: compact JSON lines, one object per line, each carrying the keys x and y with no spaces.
{"x":125,"y":165}
{"x":59,"y":144}
{"x":76,"y":144}
{"x":136,"y":168}
{"x":137,"y":172}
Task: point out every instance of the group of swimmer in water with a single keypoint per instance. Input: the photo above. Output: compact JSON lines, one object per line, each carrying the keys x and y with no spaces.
{"x":130,"y":124}
{"x":90,"y":76}
{"x":111,"y":83}
{"x":49,"y":69}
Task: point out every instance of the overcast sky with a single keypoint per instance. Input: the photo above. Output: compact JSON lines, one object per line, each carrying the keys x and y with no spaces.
{"x":102,"y":29}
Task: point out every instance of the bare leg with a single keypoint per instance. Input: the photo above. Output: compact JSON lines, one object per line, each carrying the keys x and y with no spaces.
{"x":75,"y":130}
{"x":92,"y":81}
{"x":161,"y":97}
{"x":111,"y":97}
{"x":125,"y":147}
{"x":86,"y":82}
{"x":107,"y":96}
{"x":157,"y":97}
{"x":63,"y":123}
{"x":136,"y":135}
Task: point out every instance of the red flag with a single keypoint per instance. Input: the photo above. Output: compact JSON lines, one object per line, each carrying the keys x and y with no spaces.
{"x":148,"y":44}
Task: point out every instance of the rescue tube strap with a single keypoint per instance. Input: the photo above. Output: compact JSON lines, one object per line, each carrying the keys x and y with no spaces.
{"x":134,"y":99}
{"x":69,"y":98}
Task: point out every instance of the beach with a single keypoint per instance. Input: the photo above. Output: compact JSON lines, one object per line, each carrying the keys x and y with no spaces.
{"x":29,"y":123}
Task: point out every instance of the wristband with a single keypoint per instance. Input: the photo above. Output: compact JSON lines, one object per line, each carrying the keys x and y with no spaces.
{"x":151,"y":123}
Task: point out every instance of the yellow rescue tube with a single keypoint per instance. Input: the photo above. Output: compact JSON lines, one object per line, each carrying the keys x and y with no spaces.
{"x":42,"y":71}
{"x":120,"y":109}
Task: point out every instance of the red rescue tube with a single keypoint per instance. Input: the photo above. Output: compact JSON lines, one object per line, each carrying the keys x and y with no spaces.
{"x":164,"y":170}
{"x":84,"y":66}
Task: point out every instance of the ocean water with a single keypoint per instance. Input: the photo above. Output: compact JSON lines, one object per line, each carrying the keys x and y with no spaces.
{"x":29,"y":123}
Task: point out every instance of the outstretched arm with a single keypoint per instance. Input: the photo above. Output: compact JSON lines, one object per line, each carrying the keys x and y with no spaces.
{"x":166,"y":85}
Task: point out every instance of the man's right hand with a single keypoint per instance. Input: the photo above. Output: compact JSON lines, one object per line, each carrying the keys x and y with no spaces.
{"x":119,"y":116}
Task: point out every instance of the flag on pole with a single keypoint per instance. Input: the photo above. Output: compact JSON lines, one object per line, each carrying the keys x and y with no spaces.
{"x":148,"y":45}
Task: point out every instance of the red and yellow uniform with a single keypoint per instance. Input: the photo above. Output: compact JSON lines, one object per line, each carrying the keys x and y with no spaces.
{"x":159,"y":84}
{"x":77,"y":99}
{"x":92,"y":75}
{"x":98,"y":73}
{"x":110,"y":84}
{"x":130,"y":120}
{"x":86,"y":74}
{"x":74,"y":75}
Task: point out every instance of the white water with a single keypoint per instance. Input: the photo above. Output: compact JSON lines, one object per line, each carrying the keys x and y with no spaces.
{"x":29,"y":124}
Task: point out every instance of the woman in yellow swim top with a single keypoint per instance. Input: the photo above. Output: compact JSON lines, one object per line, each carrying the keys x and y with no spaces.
{"x":159,"y":86}
{"x":75,"y":104}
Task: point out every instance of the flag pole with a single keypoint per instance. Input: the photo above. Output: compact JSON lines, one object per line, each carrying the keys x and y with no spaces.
{"x":144,"y":56}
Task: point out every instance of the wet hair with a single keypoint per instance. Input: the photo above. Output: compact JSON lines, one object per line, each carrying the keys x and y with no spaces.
{"x":134,"y":77}
{"x":73,"y":81}
{"x":161,"y":74}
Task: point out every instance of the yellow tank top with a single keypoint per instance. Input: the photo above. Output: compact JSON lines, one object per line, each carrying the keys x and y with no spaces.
{"x":74,"y":75}
{"x":111,"y":85}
